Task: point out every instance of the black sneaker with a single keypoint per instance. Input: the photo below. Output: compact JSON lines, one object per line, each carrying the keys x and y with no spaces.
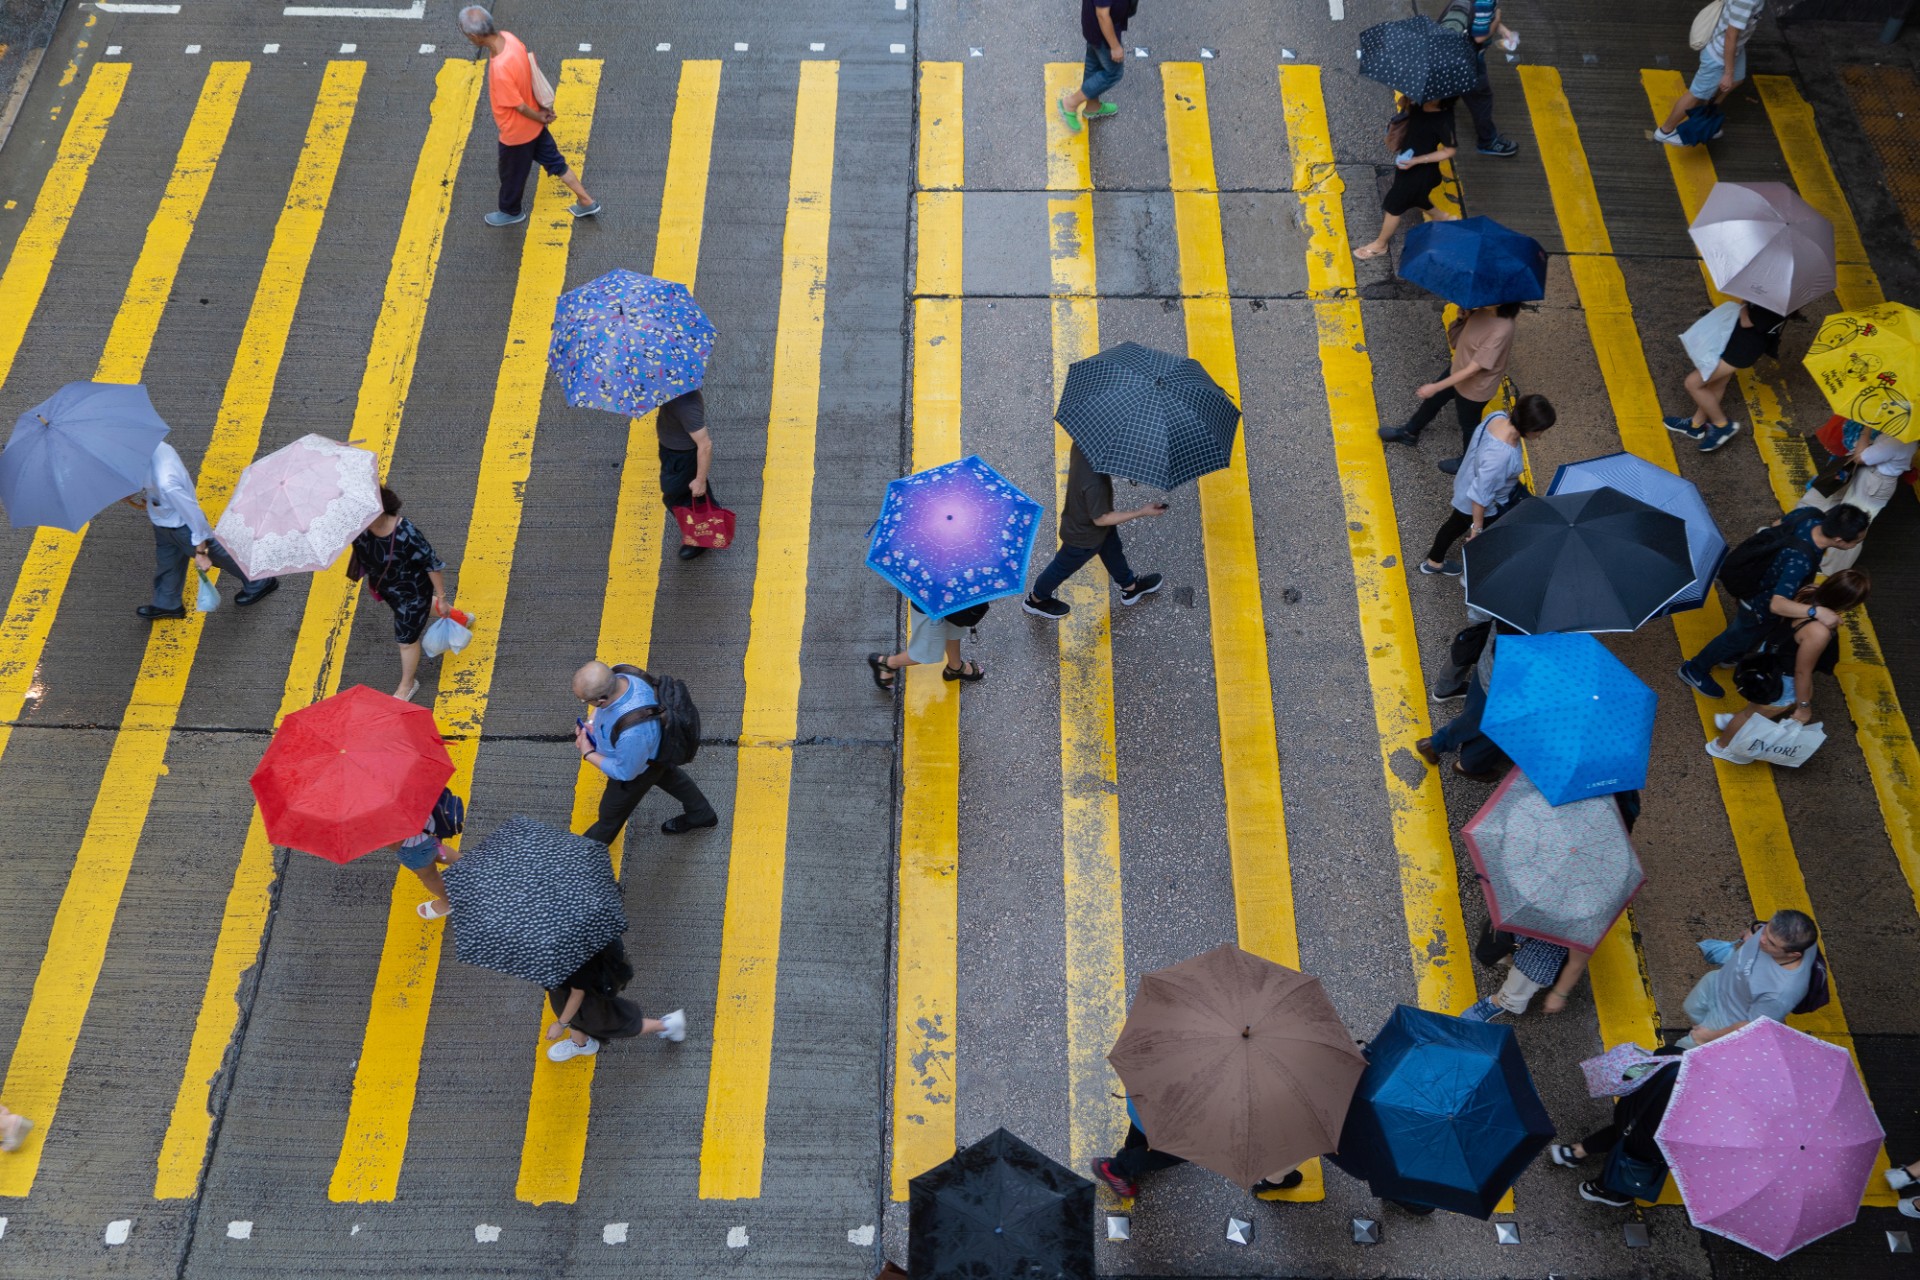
{"x":1563,"y":1155}
{"x":1054,"y":610}
{"x":1448,"y":695}
{"x":1705,"y":684}
{"x":1266,"y":1187}
{"x":1594,"y":1192}
{"x":1449,"y":466}
{"x":1143,"y":586}
{"x":1500,"y":146}
{"x":1399,"y":435}
{"x":1451,"y":568}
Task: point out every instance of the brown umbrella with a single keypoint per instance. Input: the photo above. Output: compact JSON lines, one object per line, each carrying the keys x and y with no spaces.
{"x":1237,"y":1064}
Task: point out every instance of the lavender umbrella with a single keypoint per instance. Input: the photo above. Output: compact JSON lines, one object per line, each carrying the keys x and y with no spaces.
{"x":953,"y":536}
{"x":1762,"y":243}
{"x":1770,"y":1137}
{"x":626,"y":343}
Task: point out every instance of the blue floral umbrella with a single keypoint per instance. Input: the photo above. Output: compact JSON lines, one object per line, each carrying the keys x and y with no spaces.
{"x":627,"y":343}
{"x":953,"y":536}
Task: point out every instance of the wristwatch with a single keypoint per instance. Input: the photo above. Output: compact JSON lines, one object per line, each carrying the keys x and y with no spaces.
{"x":1813,"y":611}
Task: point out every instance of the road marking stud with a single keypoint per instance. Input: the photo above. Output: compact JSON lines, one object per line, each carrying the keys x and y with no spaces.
{"x":486,"y":1233}
{"x":118,"y":1230}
{"x":238,"y":1230}
{"x":736,"y":1237}
{"x":614,"y":1233}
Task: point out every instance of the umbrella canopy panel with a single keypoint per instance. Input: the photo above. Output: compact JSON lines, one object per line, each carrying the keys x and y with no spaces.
{"x":533,"y":901}
{"x":1559,"y":872}
{"x":954,"y":536}
{"x":1570,"y":714}
{"x":1445,"y":1115}
{"x":1867,"y":363}
{"x":1762,"y":243}
{"x":1145,"y":415}
{"x":1596,"y":561}
{"x":1238,"y":1064}
{"x":1770,"y":1137}
{"x":298,"y":508}
{"x":1657,"y":487}
{"x":1474,"y":262}
{"x":1420,"y":58}
{"x":88,"y":446}
{"x":626,"y":343}
{"x":999,"y":1208}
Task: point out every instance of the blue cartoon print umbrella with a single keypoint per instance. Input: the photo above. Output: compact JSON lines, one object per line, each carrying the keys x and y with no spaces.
{"x":1474,"y":262}
{"x":954,"y":536}
{"x":1657,"y":487}
{"x":1445,"y":1115}
{"x":1570,"y":715}
{"x":627,"y":342}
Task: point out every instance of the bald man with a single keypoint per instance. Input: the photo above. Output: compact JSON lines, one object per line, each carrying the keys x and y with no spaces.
{"x":627,"y":757}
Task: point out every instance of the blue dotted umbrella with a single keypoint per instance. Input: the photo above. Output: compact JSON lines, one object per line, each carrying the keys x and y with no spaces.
{"x":627,"y":343}
{"x":954,"y":536}
{"x":1474,"y":262}
{"x":1570,"y":715}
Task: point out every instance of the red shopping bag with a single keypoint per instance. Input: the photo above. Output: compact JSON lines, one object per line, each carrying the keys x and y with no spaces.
{"x":705,"y":523}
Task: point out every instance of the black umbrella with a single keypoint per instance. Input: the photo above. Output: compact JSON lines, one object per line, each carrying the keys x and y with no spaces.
{"x":1000,"y":1209}
{"x":1591,"y":561}
{"x":1420,"y":58}
{"x":1145,"y":415}
{"x":534,"y":901}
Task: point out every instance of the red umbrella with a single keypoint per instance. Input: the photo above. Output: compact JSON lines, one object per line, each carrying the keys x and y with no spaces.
{"x":350,"y":774}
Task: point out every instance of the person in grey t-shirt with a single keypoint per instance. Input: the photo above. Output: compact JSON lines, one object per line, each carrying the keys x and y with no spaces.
{"x":1763,"y":976}
{"x":1483,"y":486}
{"x":686,"y":452}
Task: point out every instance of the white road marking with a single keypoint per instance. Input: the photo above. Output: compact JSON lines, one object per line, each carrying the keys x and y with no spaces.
{"x":418,"y":9}
{"x":736,"y":1237}
{"x":3,"y":1228}
{"x":349,"y":48}
{"x":355,"y":1231}
{"x":614,"y":1233}
{"x":118,"y":1230}
{"x":193,"y":48}
{"x":1139,"y":52}
{"x":586,"y":48}
{"x":975,"y":52}
{"x":663,"y":47}
{"x":862,"y":1236}
{"x":818,"y":47}
{"x":269,"y":48}
{"x":239,"y":1230}
{"x":115,"y":6}
{"x":486,"y":1233}
{"x":1336,"y":9}
{"x":1206,"y":53}
{"x":740,"y":46}
{"x":113,"y":51}
{"x":426,"y":48}
{"x":896,"y":48}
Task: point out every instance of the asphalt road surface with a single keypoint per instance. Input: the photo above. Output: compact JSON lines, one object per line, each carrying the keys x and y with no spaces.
{"x":921,"y":915}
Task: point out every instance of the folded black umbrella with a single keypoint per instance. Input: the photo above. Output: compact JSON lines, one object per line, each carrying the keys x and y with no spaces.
{"x":1000,"y":1209}
{"x":1597,"y":560}
{"x":1149,"y":416}
{"x":1420,"y":58}
{"x":533,"y":901}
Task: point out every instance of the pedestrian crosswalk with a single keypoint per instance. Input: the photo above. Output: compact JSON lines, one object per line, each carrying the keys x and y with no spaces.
{"x":1251,"y":739}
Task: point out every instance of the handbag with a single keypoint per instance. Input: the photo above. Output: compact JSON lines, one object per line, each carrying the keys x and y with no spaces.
{"x":1833,"y":477}
{"x":1703,"y":24}
{"x":705,"y":523}
{"x":1625,"y":1176}
{"x":542,"y":91}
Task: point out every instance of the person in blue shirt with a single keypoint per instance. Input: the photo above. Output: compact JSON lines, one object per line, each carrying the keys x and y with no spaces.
{"x":627,"y":757}
{"x":1479,"y":21}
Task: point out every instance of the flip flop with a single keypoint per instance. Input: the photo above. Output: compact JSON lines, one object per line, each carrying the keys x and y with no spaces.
{"x":426,"y":912}
{"x":882,"y":673}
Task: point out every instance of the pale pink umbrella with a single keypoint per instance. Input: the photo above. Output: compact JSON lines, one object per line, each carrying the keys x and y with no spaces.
{"x":298,"y":508}
{"x":1770,"y":1137}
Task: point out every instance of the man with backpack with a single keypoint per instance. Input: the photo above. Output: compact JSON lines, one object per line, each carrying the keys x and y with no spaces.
{"x":640,"y":729}
{"x":1769,"y":973}
{"x":1479,"y":21}
{"x":1763,"y":574}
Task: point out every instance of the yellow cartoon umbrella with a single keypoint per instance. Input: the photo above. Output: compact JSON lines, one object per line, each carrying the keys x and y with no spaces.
{"x":1868,"y":364}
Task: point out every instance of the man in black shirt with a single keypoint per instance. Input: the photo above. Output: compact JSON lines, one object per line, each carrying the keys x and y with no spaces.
{"x":1101,"y":22}
{"x":1088,"y":528}
{"x":686,"y":450}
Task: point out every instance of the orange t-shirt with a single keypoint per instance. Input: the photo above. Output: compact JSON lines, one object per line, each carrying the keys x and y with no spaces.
{"x":510,"y":85}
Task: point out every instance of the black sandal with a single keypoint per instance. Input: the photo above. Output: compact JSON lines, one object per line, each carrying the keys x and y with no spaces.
{"x":961,"y":673}
{"x":882,"y":673}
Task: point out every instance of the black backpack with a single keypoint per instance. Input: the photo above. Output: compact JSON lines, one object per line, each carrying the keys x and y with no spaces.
{"x":1818,"y":992}
{"x":1744,"y":571}
{"x":449,"y":817}
{"x":673,"y":708}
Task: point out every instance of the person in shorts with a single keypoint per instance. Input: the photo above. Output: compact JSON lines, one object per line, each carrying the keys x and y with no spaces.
{"x":932,"y":640}
{"x":1755,"y":334}
{"x":1101,"y":24}
{"x":1723,"y":65}
{"x":401,"y":571}
{"x":588,"y":1008}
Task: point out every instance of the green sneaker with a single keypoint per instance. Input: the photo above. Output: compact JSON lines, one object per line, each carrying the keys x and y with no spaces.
{"x":1104,"y":110}
{"x":1069,"y":115}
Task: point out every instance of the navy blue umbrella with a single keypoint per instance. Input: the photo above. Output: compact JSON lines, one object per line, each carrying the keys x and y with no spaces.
{"x":1475,"y":262}
{"x":1420,"y":58}
{"x":1446,"y":1114}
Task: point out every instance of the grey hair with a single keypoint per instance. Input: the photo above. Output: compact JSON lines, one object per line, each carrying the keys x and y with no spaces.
{"x":1794,"y":930}
{"x":476,"y":21}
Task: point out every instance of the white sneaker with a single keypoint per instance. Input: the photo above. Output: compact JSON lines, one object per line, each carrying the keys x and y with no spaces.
{"x":1719,"y":752}
{"x":564,"y":1048}
{"x":1722,"y":720}
{"x":1899,"y":1179}
{"x":675,"y":1028}
{"x":1911,"y":1206}
{"x":1669,"y":137}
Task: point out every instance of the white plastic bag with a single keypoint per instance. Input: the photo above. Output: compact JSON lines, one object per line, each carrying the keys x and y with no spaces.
{"x":444,"y":635}
{"x":208,"y":597}
{"x":1784,"y":741}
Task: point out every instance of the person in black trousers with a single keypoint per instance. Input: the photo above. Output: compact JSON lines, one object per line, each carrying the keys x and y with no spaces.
{"x":1636,"y":1117}
{"x":628,"y":756}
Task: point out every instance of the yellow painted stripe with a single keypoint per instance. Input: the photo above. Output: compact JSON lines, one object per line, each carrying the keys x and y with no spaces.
{"x":1754,"y":813}
{"x":1880,"y":725}
{"x":71,"y":963}
{"x":925,"y":1048}
{"x":1243,"y":685}
{"x":734,"y":1138}
{"x":1819,"y":186}
{"x":561,"y":1097}
{"x":1096,"y":974}
{"x":381,"y":1113}
{"x":1428,"y":876}
{"x":315,"y":671}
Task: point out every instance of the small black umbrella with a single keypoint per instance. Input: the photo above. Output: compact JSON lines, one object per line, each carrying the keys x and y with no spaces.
{"x":1000,"y":1209}
{"x":1149,"y":416}
{"x":533,"y":901}
{"x":1420,"y":58}
{"x":1597,"y":560}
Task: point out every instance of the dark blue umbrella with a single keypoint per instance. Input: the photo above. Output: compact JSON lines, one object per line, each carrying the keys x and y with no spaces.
{"x":1658,"y":487}
{"x":1474,"y":262}
{"x":1446,"y":1114}
{"x":1420,"y":58}
{"x":1570,"y":714}
{"x":1146,"y":415}
{"x":90,"y":445}
{"x":625,"y":343}
{"x":999,"y":1209}
{"x":954,"y":536}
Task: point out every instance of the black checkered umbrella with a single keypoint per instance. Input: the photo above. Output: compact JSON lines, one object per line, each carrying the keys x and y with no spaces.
{"x":1145,"y":415}
{"x":1420,"y":58}
{"x":533,"y":901}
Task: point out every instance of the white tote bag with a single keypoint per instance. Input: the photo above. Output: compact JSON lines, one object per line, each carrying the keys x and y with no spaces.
{"x":1784,"y":741}
{"x":542,"y":91}
{"x":1703,"y":24}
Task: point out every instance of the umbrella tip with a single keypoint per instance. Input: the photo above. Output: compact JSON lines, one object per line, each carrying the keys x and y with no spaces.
{"x":1246,"y":1033}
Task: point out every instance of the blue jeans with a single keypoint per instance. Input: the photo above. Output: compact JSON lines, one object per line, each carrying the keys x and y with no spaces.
{"x":1478,"y":754}
{"x":1748,"y":628}
{"x":1103,"y":71}
{"x":1067,"y":561}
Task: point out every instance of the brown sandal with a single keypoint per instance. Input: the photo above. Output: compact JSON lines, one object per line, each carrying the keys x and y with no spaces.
{"x":968,"y":671}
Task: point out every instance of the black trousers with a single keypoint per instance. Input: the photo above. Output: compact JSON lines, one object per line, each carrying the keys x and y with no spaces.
{"x":1469,"y":412}
{"x":1479,"y":100}
{"x":1457,"y":523}
{"x":1136,"y":1157}
{"x":516,"y":162}
{"x":620,"y":799}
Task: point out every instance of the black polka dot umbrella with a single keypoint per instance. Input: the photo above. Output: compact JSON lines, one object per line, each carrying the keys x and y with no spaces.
{"x":1420,"y":58}
{"x":533,"y":901}
{"x":1145,"y":415}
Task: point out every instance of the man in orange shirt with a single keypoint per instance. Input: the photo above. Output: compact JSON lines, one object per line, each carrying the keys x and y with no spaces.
{"x":521,"y":119}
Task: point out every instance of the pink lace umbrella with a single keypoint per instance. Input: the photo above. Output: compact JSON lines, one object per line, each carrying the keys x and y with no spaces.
{"x":1770,"y":1137}
{"x":298,"y":508}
